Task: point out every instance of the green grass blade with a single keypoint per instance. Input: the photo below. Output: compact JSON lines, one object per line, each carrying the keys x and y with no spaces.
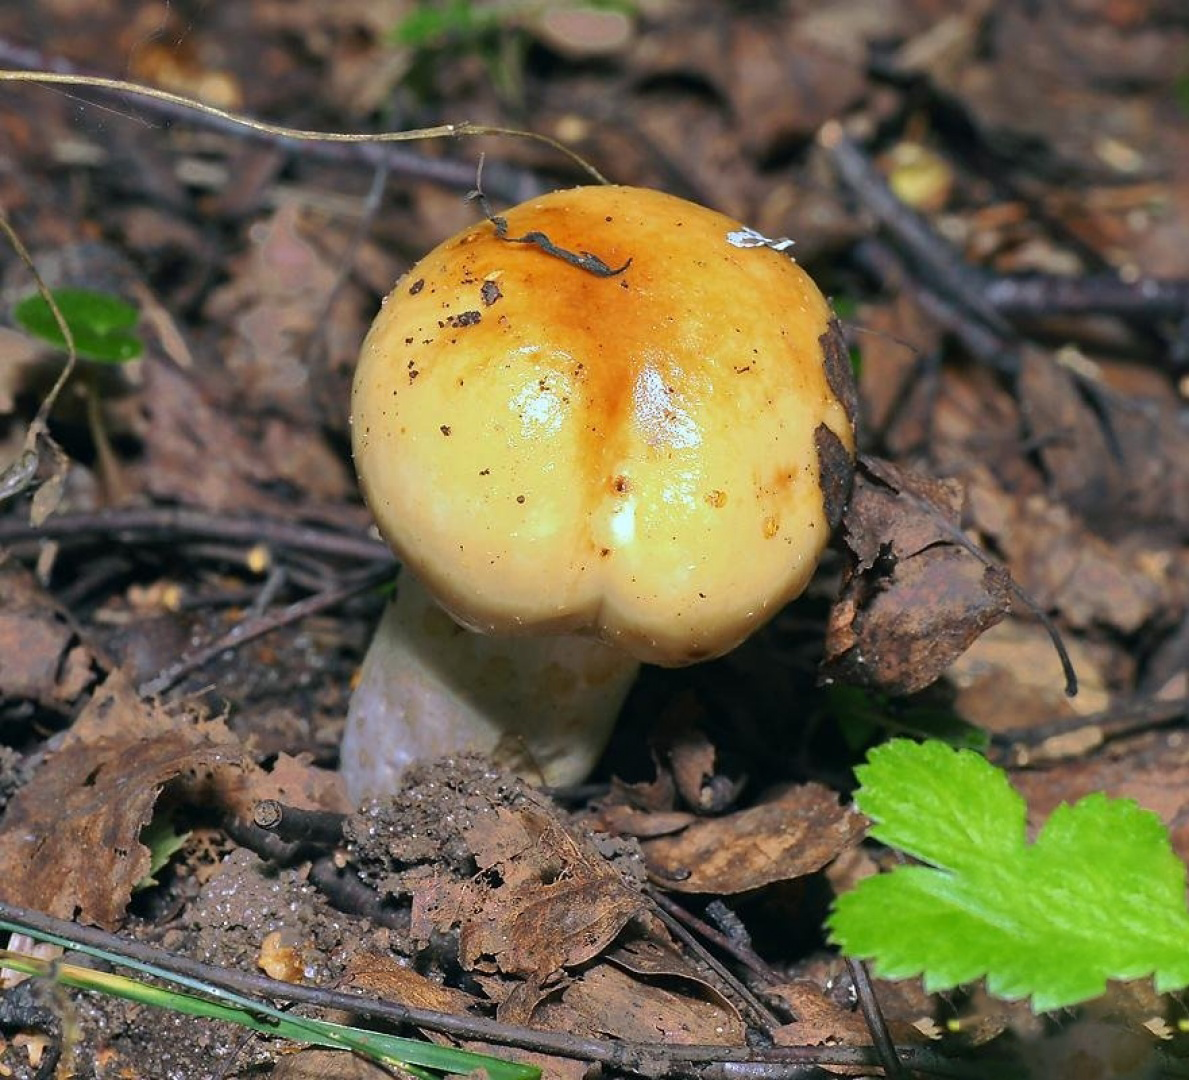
{"x":258,"y":1016}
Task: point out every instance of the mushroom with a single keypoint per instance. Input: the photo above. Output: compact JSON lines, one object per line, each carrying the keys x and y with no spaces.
{"x":610,"y":426}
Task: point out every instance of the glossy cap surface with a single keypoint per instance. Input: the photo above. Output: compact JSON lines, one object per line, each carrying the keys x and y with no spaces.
{"x":637,"y":455}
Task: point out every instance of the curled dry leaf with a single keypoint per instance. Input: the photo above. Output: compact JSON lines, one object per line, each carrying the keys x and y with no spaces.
{"x":914,"y":596}
{"x":69,"y":843}
{"x":788,"y":836}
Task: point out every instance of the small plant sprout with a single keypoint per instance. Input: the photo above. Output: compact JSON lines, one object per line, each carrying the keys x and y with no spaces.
{"x":102,"y":331}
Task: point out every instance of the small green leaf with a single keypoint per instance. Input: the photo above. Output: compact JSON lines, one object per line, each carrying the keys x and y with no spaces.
{"x":163,"y":842}
{"x":1100,"y":894}
{"x":430,"y":25}
{"x":861,"y":713}
{"x":1181,"y":92}
{"x":100,"y":323}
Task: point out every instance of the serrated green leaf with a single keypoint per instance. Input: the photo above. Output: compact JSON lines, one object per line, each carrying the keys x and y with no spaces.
{"x":1100,"y":894}
{"x":100,"y":323}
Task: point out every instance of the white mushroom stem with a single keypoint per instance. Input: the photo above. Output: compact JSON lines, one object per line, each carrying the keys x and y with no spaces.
{"x":541,"y":706}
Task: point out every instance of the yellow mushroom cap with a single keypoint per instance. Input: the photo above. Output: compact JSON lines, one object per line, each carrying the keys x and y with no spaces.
{"x":640,"y":455}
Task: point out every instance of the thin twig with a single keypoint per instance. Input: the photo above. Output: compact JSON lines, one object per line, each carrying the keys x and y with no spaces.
{"x":174,"y":525}
{"x":671,"y":915}
{"x":1122,"y":719}
{"x":943,"y":266}
{"x":1040,"y":295}
{"x":651,"y":1059}
{"x":261,"y":128}
{"x":252,"y":628}
{"x":873,"y":1014}
{"x":990,"y":346}
{"x":292,"y":823}
{"x":730,"y":946}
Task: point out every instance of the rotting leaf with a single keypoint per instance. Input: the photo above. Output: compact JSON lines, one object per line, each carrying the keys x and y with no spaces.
{"x":69,"y":840}
{"x":557,"y":904}
{"x":914,"y":596}
{"x":787,"y":836}
{"x":818,"y":1019}
{"x":660,"y":962}
{"x":608,"y":1002}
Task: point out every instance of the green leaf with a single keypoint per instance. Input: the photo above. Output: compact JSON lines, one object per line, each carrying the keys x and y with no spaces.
{"x":260,"y":1016}
{"x":1099,"y":895}
{"x":1180,"y":92}
{"x":429,"y":25}
{"x":860,"y":713}
{"x":100,"y":323}
{"x":163,"y":842}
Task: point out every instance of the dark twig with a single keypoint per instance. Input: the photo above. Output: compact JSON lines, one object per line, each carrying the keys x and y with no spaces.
{"x":339,"y":884}
{"x":1122,"y":719}
{"x":945,"y":269}
{"x":990,"y":346}
{"x":729,"y":945}
{"x":1040,"y":295}
{"x":174,"y":525}
{"x":650,"y":1059}
{"x":343,"y":887}
{"x":673,"y":916}
{"x":965,"y":295}
{"x":583,"y":260}
{"x":252,"y":628}
{"x":873,"y":1014}
{"x":292,"y":823}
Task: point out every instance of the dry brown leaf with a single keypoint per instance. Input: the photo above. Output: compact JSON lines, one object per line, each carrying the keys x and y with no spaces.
{"x":607,"y":1002}
{"x":1068,"y":569}
{"x":277,"y":291}
{"x":378,"y":975}
{"x":41,"y":658}
{"x":820,"y":1021}
{"x":327,"y":1065}
{"x":791,"y":834}
{"x":557,"y":903}
{"x":1011,"y":679}
{"x":295,"y":782}
{"x":188,"y":429}
{"x":1115,"y":461}
{"x":913,"y":598}
{"x":628,"y":821}
{"x":69,"y":839}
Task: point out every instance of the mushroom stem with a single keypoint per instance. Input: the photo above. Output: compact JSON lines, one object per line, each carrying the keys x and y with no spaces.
{"x":540,"y":706}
